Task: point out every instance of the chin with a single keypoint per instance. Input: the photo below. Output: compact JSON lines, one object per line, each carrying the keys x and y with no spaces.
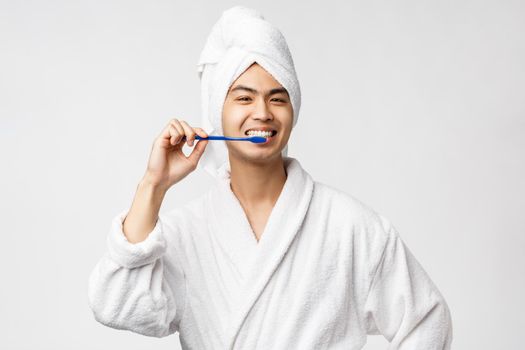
{"x":262,"y":156}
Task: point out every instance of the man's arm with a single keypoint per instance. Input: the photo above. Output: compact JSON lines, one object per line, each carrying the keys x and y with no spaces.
{"x":403,"y":304}
{"x":144,"y":211}
{"x":139,"y":284}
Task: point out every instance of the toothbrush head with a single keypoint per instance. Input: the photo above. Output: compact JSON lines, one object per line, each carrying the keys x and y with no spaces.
{"x":257,"y":139}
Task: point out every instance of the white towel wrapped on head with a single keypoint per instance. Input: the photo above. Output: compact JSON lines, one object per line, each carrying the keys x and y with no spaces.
{"x":239,"y":38}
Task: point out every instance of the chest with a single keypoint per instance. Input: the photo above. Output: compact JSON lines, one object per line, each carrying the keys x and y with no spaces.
{"x":258,"y":219}
{"x":304,"y":285}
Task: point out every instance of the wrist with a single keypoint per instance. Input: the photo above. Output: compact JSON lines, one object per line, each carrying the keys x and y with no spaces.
{"x":153,"y":186}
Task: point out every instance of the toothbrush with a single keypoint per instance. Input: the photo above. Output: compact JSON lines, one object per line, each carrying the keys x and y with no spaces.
{"x":254,"y":139}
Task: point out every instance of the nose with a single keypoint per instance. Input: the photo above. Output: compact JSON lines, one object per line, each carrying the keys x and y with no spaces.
{"x":262,"y":112}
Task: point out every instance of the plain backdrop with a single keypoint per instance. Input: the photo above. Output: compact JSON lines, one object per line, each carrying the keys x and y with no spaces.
{"x":414,"y":107}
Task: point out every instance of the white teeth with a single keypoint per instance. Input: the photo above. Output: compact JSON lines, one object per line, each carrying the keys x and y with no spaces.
{"x":260,"y":133}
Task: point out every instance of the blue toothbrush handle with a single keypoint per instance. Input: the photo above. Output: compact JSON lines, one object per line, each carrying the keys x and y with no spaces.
{"x":214,"y":137}
{"x":254,"y":139}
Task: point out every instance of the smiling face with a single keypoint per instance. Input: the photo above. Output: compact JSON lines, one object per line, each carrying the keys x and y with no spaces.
{"x":257,"y":101}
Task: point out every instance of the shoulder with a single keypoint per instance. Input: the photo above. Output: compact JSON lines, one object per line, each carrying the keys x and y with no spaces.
{"x":349,"y":209}
{"x":342,"y":201}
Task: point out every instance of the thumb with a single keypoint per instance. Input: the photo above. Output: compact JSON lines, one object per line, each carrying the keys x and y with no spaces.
{"x":198,"y":150}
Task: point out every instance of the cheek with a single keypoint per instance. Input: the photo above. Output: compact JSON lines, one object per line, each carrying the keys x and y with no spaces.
{"x":288,"y":119}
{"x":232,"y":120}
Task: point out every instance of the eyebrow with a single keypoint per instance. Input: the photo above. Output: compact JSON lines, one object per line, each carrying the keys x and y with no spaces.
{"x":252,"y":90}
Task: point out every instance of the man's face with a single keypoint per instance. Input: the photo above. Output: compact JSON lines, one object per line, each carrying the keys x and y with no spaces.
{"x":256,"y":100}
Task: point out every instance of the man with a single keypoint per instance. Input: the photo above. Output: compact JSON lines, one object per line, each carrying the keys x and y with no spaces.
{"x":268,"y":258}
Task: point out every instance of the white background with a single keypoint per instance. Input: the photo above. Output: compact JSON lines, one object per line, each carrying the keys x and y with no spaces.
{"x":414,"y":107}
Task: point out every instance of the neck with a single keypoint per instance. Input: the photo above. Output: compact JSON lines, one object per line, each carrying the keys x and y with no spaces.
{"x":256,"y":184}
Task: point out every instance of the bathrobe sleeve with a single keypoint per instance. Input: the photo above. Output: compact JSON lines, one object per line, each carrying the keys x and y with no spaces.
{"x":403,"y":304}
{"x":133,"y":286}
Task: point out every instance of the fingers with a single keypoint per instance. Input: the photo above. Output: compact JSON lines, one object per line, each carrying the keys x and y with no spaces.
{"x":188,"y":130}
{"x":200,"y":132}
{"x":191,"y":132}
{"x":172,"y":133}
{"x":177,"y":129}
{"x":197,"y":152}
{"x":199,"y":149}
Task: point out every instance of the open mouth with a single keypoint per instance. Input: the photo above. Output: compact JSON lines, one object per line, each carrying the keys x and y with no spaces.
{"x":269,"y":133}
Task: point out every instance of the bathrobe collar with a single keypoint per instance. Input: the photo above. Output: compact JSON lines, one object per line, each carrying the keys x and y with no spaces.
{"x":255,"y":262}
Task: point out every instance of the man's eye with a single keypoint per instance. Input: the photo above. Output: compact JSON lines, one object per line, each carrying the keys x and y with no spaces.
{"x":249,"y":99}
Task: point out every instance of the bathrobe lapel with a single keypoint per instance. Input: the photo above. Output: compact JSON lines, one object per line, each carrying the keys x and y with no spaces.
{"x":255,"y":262}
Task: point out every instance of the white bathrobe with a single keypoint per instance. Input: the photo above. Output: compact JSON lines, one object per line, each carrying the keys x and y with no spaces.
{"x":327,"y":271}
